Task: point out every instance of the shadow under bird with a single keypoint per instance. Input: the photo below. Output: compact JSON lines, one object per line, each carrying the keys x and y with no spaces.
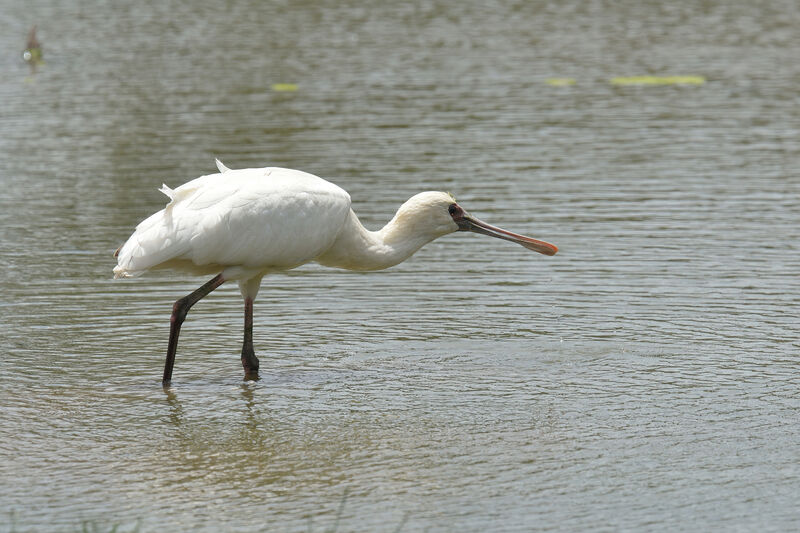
{"x":240,"y":225}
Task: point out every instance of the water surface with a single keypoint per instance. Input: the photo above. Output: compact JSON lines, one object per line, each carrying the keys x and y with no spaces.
{"x":645,"y":378}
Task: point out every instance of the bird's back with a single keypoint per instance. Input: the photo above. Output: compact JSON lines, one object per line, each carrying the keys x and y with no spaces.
{"x":259,"y":219}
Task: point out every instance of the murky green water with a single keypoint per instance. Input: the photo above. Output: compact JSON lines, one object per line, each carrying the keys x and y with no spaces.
{"x":646,"y":378}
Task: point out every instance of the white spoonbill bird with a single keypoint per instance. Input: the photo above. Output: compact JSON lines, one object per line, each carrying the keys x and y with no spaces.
{"x":243,"y":224}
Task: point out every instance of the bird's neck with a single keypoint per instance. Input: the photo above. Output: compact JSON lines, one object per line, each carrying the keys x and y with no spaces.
{"x":357,"y":248}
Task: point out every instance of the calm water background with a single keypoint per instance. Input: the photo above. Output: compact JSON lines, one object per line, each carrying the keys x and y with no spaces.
{"x":646,"y":378}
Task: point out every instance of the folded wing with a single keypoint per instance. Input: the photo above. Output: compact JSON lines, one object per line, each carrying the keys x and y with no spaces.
{"x":260,"y":219}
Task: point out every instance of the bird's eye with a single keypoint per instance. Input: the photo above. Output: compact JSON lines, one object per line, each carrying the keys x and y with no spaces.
{"x":456,"y":212}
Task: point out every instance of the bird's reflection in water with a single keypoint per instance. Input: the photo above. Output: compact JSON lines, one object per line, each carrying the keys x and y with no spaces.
{"x":249,"y":401}
{"x":195,"y":432}
{"x":176,"y":412}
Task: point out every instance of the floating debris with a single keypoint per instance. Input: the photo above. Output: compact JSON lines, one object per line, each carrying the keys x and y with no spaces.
{"x":284,"y":87}
{"x":658,"y":80}
{"x":560,"y":82}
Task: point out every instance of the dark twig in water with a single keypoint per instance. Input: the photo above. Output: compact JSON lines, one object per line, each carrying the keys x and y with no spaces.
{"x":33,"y":42}
{"x":33,"y":50}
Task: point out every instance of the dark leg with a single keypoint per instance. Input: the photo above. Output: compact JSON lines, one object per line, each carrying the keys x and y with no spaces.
{"x":179,"y":311}
{"x":249,"y":359}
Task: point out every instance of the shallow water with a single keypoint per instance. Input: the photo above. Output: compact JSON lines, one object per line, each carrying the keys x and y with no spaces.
{"x":645,"y":377}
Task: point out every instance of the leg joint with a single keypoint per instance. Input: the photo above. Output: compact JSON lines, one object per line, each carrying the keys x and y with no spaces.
{"x":179,"y":311}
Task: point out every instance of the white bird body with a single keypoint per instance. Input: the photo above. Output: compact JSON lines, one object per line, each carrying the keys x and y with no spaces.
{"x":243,"y":224}
{"x":239,"y":222}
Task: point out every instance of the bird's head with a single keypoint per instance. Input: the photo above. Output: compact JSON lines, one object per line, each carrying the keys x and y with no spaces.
{"x":437,"y":213}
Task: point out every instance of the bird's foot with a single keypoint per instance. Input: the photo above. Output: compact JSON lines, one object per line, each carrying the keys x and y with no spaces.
{"x":250,"y":364}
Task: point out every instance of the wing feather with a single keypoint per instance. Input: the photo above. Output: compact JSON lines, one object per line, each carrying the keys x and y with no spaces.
{"x":256,"y":218}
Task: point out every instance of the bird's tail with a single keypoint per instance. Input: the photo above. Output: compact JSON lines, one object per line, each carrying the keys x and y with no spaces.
{"x":149,"y":246}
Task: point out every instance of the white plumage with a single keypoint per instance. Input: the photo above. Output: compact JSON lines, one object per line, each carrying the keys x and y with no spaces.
{"x":243,"y":224}
{"x":243,"y":221}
